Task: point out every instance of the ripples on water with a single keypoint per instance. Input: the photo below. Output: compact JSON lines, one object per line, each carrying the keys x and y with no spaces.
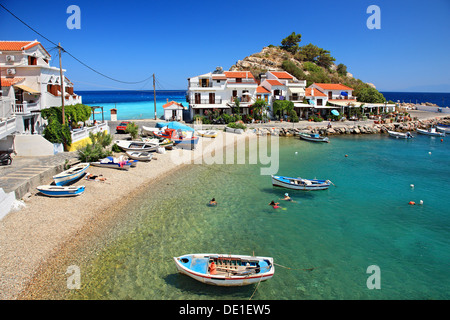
{"x":364,"y":220}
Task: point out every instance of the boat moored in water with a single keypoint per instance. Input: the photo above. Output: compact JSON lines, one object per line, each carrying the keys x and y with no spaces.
{"x":225,"y":270}
{"x":315,"y":137}
{"x":431,"y":132}
{"x":400,"y":135}
{"x":443,"y":128}
{"x":300,"y":184}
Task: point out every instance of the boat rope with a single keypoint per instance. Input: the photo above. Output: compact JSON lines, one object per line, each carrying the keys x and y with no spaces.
{"x":302,"y":269}
{"x":256,"y":288}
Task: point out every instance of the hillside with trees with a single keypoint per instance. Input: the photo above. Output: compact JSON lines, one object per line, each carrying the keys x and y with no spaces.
{"x":308,"y":62}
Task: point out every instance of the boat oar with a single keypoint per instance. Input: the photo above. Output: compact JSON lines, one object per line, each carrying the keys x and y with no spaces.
{"x":331,"y":183}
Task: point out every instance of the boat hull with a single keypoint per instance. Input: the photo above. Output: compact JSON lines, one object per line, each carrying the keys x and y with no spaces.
{"x":140,"y":156}
{"x":314,"y":139}
{"x":399,"y":135}
{"x":227,"y":280}
{"x":443,"y":129}
{"x":71,"y":174}
{"x":431,"y":133}
{"x":61,"y":191}
{"x":289,"y":182}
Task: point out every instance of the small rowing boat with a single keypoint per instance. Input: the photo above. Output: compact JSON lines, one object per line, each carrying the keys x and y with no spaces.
{"x":207,"y":133}
{"x":136,"y":145}
{"x":61,"y":191}
{"x":71,"y":174}
{"x":140,"y":155}
{"x":315,"y":137}
{"x":400,"y":135}
{"x":299,"y":183}
{"x":431,"y":132}
{"x":115,"y":163}
{"x":150,"y":130}
{"x":226,"y":270}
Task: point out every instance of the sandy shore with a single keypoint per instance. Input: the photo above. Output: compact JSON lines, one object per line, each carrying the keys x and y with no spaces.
{"x":32,"y":237}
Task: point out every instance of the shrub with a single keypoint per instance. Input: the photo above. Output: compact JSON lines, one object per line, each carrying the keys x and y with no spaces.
{"x":132,"y":129}
{"x":55,"y":132}
{"x":101,"y":137}
{"x":92,"y":153}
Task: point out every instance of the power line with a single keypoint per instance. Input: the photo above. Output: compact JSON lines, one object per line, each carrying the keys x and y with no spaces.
{"x":81,"y":62}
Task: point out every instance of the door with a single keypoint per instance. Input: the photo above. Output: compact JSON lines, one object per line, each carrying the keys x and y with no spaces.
{"x":212,"y":98}
{"x":330,"y":95}
{"x":197,"y":98}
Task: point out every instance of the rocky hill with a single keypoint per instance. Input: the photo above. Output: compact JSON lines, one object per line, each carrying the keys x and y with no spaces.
{"x":273,"y":58}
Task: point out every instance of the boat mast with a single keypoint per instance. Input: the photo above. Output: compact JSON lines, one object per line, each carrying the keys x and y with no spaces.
{"x":154,"y":93}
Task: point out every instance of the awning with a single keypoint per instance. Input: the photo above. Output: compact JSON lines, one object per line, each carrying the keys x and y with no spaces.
{"x":27,"y":89}
{"x":302,"y":105}
{"x":296,"y":90}
{"x":345,"y":103}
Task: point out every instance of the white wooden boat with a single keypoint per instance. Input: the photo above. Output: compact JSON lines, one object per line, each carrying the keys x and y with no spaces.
{"x":400,"y":135}
{"x":61,"y":191}
{"x":431,"y":132}
{"x":230,"y":270}
{"x":207,"y":133}
{"x":443,"y":128}
{"x":140,"y":155}
{"x":162,"y":142}
{"x":299,"y":183}
{"x":315,"y":137}
{"x":71,"y":174}
{"x":126,"y":145}
{"x":115,"y":163}
{"x":149,"y":131}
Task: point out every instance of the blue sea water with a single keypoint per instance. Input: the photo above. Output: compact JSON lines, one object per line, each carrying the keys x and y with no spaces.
{"x":140,"y":104}
{"x":328,"y":238}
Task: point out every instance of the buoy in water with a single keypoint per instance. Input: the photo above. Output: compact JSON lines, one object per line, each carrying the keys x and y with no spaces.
{"x":411,"y":185}
{"x":429,"y":152}
{"x":346,"y":155}
{"x":442,"y":140}
{"x":412,"y":203}
{"x":421,"y":202}
{"x":296,"y":152}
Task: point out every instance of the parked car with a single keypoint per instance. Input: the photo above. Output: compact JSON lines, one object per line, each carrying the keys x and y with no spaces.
{"x":122,"y":127}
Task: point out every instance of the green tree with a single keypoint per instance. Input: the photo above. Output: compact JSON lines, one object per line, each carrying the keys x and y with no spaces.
{"x":369,"y":95}
{"x":132,"y":129}
{"x":290,"y":43}
{"x":341,"y":69}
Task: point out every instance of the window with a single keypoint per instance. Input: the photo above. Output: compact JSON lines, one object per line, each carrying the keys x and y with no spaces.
{"x":32,"y":61}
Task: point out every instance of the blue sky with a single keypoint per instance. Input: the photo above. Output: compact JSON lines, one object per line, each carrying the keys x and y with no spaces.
{"x":131,"y":40}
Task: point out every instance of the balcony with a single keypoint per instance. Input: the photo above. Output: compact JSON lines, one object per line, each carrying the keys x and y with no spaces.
{"x":296,"y":98}
{"x":7,"y":127}
{"x":207,"y":101}
{"x":26,"y":108}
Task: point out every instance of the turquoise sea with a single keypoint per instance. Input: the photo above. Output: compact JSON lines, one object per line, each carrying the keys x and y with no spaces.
{"x":322,"y":244}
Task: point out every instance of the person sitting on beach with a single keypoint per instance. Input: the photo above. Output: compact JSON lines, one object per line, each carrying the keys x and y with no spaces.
{"x":90,"y":176}
{"x":274,"y":205}
{"x":213,"y":202}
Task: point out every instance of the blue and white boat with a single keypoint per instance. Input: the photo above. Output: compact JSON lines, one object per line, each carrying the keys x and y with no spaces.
{"x":115,"y":163}
{"x":70,"y":175}
{"x":225,"y":270}
{"x":315,"y":137}
{"x":61,"y":191}
{"x":431,"y":132}
{"x":400,"y":135}
{"x":299,"y":183}
{"x":443,"y":128}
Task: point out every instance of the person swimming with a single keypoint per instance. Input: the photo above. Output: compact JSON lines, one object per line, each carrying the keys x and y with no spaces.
{"x":286,"y":197}
{"x":213,"y":202}
{"x":274,"y":205}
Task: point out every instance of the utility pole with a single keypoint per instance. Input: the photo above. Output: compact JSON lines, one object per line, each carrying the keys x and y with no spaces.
{"x":62,"y":85}
{"x":1,"y":89}
{"x":154,"y":93}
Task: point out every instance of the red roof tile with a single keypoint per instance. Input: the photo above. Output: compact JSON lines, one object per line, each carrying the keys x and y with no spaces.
{"x":282,"y":75}
{"x":261,"y":89}
{"x":317,"y":93}
{"x":238,"y":74}
{"x":19,"y":45}
{"x":171,"y":103}
{"x":333,"y":86}
{"x":275,"y":82}
{"x":8,"y":82}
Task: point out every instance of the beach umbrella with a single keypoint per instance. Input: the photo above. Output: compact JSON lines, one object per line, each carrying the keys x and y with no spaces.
{"x":345,"y":94}
{"x":335,"y":112}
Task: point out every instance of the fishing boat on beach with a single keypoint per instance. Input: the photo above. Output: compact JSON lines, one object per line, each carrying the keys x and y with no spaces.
{"x":71,"y":174}
{"x":149,"y":131}
{"x":300,"y":183}
{"x":207,"y":133}
{"x":315,"y":137}
{"x":61,"y":191}
{"x":400,"y":135}
{"x":115,"y":163}
{"x":140,"y":155}
{"x":226,"y":270}
{"x":431,"y":132}
{"x":162,"y":142}
{"x":181,"y":139}
{"x":126,"y":145}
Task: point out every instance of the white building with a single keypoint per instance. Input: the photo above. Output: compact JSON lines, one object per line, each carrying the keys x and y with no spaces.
{"x":29,"y":84}
{"x":335,"y":91}
{"x":173,"y":111}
